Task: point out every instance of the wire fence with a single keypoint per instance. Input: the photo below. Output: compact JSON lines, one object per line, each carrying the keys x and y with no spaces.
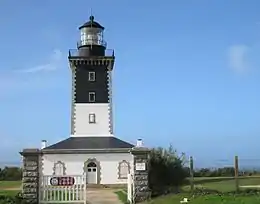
{"x":226,"y":175}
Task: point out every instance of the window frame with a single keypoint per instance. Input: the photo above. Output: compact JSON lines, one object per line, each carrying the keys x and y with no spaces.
{"x":62,"y":166}
{"x":94,"y":118}
{"x":93,"y":74}
{"x":89,"y":96}
{"x":123,"y":162}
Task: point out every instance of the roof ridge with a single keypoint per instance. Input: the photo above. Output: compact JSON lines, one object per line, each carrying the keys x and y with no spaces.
{"x":109,"y":142}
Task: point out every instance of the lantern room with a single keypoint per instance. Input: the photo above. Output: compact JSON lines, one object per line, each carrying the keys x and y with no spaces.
{"x":91,"y":34}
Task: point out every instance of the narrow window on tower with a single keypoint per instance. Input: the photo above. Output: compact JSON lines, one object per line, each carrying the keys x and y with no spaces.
{"x":92,"y":118}
{"x":91,"y":76}
{"x":92,"y":96}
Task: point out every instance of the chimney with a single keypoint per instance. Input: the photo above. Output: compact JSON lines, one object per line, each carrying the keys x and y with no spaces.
{"x":44,"y":144}
{"x":139,"y":143}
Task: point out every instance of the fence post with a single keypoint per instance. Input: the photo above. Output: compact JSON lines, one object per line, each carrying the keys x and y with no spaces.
{"x":191,"y":174}
{"x":236,"y":174}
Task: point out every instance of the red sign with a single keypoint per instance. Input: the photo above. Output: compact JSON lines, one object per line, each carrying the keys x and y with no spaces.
{"x":62,"y":181}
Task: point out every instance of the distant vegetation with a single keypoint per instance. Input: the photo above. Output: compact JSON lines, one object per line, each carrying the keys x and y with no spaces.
{"x":10,"y":174}
{"x":223,"y":172}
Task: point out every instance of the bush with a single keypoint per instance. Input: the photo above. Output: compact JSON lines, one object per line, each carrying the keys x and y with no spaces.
{"x":7,"y":199}
{"x":166,"y":171}
{"x":11,"y":174}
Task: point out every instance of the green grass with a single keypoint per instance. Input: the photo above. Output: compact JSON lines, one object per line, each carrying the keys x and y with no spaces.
{"x":223,"y":184}
{"x":10,"y":184}
{"x":122,"y":196}
{"x":210,"y":199}
{"x":10,"y":188}
{"x":8,"y":192}
{"x":206,"y":179}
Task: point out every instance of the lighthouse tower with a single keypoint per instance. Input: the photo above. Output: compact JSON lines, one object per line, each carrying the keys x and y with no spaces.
{"x":92,"y":148}
{"x":91,"y":66}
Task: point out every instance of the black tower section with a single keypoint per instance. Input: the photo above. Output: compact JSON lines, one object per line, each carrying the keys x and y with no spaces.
{"x":91,"y":56}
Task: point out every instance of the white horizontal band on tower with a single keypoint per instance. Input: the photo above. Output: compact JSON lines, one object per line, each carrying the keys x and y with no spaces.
{"x":101,"y":126}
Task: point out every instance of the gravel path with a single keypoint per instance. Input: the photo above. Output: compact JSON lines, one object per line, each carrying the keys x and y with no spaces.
{"x":102,"y":196}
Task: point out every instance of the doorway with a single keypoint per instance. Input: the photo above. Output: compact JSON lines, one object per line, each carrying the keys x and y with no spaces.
{"x":92,"y":173}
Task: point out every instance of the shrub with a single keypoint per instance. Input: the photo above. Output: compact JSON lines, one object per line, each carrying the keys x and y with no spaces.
{"x":8,"y":199}
{"x":166,"y":171}
{"x":11,"y":174}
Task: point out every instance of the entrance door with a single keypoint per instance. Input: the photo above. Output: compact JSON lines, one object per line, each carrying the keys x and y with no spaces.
{"x":92,"y":173}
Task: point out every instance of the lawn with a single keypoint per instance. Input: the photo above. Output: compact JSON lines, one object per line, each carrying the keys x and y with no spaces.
{"x":122,"y":195}
{"x":6,"y":185}
{"x":9,"y":192}
{"x":223,"y":184}
{"x":210,"y":199}
{"x":10,"y":187}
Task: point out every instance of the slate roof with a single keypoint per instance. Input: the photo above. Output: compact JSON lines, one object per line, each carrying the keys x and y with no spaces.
{"x":73,"y":143}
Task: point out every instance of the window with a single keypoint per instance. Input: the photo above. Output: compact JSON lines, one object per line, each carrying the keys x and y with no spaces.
{"x":59,"y":168}
{"x":123,"y":169}
{"x":83,"y":38}
{"x":92,"y":118}
{"x":91,"y":76}
{"x":91,"y":96}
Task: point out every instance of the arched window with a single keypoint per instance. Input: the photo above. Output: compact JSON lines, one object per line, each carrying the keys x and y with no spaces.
{"x":123,"y":169}
{"x":59,"y":168}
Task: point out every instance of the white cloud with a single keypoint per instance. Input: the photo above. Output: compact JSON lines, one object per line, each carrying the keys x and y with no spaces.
{"x":237,"y":58}
{"x":52,"y":64}
{"x":20,"y":81}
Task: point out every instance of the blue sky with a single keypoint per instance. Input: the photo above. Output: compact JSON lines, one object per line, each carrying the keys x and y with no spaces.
{"x":187,"y":73}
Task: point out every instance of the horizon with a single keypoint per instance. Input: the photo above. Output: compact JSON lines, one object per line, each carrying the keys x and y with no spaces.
{"x":247,"y":167}
{"x":186,"y":74}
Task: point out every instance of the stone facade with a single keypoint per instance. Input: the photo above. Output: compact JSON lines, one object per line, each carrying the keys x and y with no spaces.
{"x":140,"y":176}
{"x":30,"y":181}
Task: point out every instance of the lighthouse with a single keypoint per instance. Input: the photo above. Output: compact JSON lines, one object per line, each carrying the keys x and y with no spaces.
{"x":91,"y":67}
{"x":92,"y":148}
